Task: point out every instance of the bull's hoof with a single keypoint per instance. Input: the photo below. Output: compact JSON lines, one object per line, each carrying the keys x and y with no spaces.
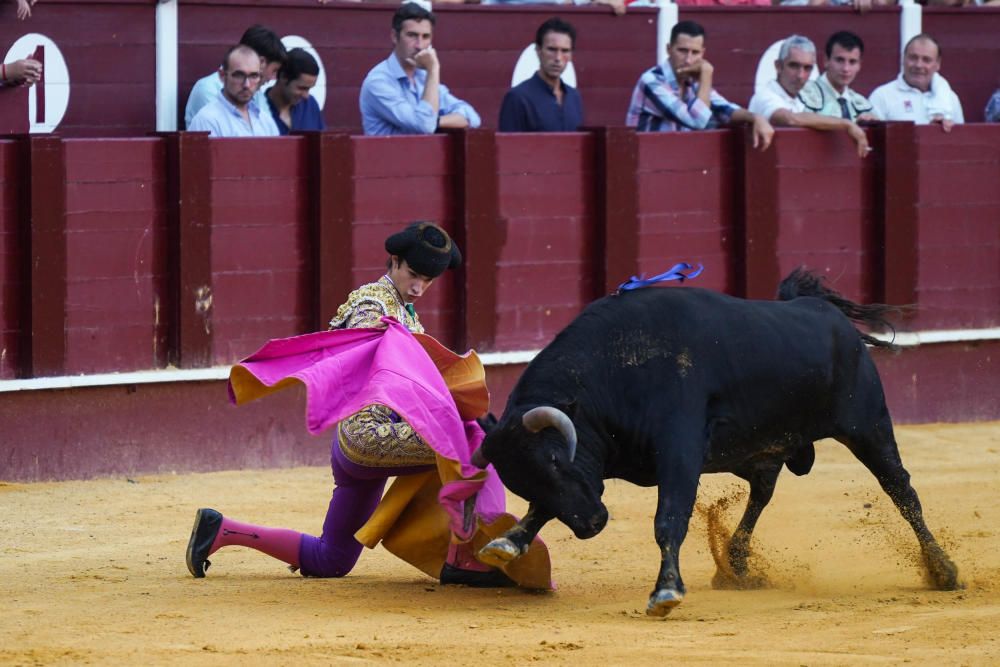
{"x":941,"y":571}
{"x":663,"y":601}
{"x":499,"y":552}
{"x":724,"y":580}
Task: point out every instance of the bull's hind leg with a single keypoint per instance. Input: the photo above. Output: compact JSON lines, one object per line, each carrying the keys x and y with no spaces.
{"x":762,"y":482}
{"x":877,"y":450}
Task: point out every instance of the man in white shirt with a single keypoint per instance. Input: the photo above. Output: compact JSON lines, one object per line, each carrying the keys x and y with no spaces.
{"x":778,"y":101}
{"x":919,"y":94}
{"x":272,"y":52}
{"x":235,"y":112}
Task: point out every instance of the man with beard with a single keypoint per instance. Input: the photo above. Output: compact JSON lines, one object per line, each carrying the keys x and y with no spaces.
{"x":545,"y":103}
{"x":235,"y":112}
{"x":831,"y":94}
{"x":677,"y":96}
{"x":779,"y":100}
{"x":403,"y":94}
{"x":919,"y":94}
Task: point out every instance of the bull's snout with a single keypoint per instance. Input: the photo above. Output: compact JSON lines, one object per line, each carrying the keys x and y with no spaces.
{"x":587,"y":527}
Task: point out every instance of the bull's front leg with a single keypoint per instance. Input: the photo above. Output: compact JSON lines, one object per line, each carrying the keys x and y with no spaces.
{"x":677,"y":490}
{"x":515,"y":542}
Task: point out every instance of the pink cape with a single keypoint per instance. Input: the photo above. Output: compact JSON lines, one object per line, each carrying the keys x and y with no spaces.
{"x":348,"y":369}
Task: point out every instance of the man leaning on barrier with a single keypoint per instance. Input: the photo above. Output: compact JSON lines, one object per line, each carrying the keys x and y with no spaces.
{"x":919,"y":93}
{"x":403,"y":94}
{"x":677,"y":95}
{"x":779,"y":100}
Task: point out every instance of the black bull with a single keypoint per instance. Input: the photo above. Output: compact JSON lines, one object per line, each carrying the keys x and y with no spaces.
{"x":657,"y":386}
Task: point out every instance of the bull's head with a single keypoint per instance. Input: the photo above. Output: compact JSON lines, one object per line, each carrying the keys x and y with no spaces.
{"x":534,"y":456}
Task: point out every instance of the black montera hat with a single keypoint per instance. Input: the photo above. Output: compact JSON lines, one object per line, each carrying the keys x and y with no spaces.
{"x":426,"y":248}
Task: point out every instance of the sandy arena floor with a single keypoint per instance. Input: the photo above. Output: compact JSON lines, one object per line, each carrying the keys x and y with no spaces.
{"x":93,"y":572}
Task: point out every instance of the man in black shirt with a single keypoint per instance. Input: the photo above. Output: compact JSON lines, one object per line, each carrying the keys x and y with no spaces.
{"x":545,"y":103}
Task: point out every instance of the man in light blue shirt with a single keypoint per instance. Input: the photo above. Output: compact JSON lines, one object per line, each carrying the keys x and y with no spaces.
{"x":268,"y":46}
{"x":235,"y":113}
{"x":403,"y":94}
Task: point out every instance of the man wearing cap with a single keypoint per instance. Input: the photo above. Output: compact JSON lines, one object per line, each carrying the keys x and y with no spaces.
{"x":370,"y":446}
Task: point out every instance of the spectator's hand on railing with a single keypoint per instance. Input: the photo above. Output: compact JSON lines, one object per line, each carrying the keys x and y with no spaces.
{"x":763,"y":133}
{"x":860,"y":138}
{"x":867,"y":118}
{"x":946,"y":124}
{"x":862,"y":6}
{"x":24,"y":8}
{"x":26,"y":71}
{"x":617,"y":5}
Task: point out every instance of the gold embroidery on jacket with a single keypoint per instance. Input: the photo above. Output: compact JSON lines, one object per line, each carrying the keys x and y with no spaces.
{"x":366,"y":306}
{"x":377,"y":437}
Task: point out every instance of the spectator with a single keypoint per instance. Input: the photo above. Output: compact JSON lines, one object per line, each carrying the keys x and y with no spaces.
{"x":403,"y":94}
{"x":678,"y":95}
{"x":288,"y":99}
{"x":919,"y":93}
{"x":272,"y":52}
{"x":234,"y":112}
{"x":545,"y":103}
{"x":992,"y":112}
{"x":26,"y":71}
{"x":861,"y":6}
{"x":617,"y":6}
{"x":779,"y":100}
{"x":831,"y":94}
{"x":24,"y":8}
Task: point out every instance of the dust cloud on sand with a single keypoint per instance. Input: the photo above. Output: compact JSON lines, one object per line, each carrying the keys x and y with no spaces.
{"x":93,"y":572}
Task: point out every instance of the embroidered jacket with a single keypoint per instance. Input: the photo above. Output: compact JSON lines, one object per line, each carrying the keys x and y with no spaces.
{"x":376,"y":436}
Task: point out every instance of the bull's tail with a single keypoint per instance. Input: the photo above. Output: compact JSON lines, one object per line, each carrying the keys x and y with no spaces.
{"x":801,"y":282}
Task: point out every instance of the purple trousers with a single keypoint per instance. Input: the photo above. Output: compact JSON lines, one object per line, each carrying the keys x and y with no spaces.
{"x":356,"y":492}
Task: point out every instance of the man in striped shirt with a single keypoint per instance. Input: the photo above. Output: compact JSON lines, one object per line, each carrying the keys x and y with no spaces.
{"x":677,"y":95}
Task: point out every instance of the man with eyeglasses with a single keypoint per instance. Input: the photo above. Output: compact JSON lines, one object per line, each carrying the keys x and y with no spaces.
{"x":272,"y":53}
{"x":235,"y":112}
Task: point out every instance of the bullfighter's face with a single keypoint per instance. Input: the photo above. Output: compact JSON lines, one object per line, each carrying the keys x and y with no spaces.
{"x":536,"y":467}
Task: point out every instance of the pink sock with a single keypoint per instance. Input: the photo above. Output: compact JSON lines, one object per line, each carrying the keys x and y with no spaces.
{"x":463,"y":557}
{"x":280,"y":543}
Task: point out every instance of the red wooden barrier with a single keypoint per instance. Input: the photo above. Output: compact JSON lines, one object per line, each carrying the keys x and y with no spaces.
{"x":546,"y":271}
{"x":115,"y":262}
{"x":11,"y":259}
{"x":133,"y":254}
{"x":688,"y":197}
{"x":260,"y":285}
{"x":958,"y":228}
{"x":13,"y":110}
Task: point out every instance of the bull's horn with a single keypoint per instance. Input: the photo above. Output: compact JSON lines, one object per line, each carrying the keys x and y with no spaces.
{"x":544,"y":416}
{"x":478,"y":459}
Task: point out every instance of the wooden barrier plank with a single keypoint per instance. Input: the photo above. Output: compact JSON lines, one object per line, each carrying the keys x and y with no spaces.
{"x":480,"y":233}
{"x":43,"y":274}
{"x":617,"y":221}
{"x":189,"y":267}
{"x":13,"y":186}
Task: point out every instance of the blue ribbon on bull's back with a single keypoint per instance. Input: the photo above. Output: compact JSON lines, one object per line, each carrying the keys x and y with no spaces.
{"x":679,"y":272}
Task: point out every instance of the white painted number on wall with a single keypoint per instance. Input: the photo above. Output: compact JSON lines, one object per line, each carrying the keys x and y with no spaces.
{"x":47,"y":99}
